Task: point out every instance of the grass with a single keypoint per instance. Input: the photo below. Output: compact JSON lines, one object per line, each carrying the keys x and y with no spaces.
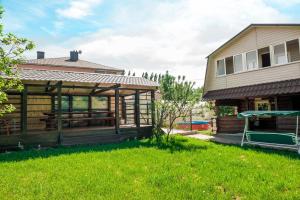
{"x":184,"y":169}
{"x":205,"y":132}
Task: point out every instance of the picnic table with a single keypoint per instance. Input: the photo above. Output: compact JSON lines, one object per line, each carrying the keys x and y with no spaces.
{"x":107,"y":117}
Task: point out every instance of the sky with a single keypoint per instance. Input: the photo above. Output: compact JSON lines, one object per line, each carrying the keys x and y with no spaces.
{"x":141,"y":35}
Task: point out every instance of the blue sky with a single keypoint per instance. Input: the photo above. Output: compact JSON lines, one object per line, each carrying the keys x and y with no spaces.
{"x":141,"y":35}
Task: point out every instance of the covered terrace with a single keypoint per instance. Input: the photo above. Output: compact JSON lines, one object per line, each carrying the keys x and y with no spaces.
{"x":59,"y":107}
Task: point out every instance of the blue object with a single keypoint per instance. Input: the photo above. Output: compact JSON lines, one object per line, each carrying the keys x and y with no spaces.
{"x":195,"y":122}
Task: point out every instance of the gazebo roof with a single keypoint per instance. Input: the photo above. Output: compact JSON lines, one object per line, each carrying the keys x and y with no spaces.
{"x":83,"y":77}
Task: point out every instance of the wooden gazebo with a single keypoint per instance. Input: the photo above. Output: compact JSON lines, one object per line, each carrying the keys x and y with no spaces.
{"x":60,"y":107}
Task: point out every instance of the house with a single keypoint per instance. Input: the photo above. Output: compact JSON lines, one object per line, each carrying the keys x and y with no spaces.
{"x":71,"y":101}
{"x":258,"y":69}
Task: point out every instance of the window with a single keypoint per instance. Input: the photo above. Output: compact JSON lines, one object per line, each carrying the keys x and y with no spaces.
{"x":238,"y":63}
{"x":251,"y":60}
{"x":279,"y":54}
{"x":229,"y":65}
{"x":293,"y":52}
{"x":262,"y":105}
{"x":220,"y":67}
{"x":80,"y":103}
{"x":64,"y":103}
{"x":264,"y":58}
{"x":100,"y":103}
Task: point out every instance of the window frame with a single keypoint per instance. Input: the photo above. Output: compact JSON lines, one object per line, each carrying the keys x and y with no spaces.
{"x":244,"y":58}
{"x":285,"y":53}
{"x":246,"y":66}
{"x":243,"y":64}
{"x":226,"y":65}
{"x":216,"y":64}
{"x":287,"y":59}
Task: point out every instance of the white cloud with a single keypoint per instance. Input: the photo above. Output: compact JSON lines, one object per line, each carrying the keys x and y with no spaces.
{"x":174,"y":36}
{"x":78,"y":8}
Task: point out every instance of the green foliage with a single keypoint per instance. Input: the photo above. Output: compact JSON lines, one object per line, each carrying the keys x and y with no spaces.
{"x":177,"y":98}
{"x":180,"y":169}
{"x":225,"y":110}
{"x":11,"y":51}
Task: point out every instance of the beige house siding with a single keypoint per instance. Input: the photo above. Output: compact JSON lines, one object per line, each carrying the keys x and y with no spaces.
{"x":253,"y":39}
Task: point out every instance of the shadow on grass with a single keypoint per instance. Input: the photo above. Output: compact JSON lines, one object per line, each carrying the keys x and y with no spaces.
{"x":174,"y":145}
{"x":267,"y":150}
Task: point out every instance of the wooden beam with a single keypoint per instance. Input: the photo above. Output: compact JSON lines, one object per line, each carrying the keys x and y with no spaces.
{"x":117,"y":115}
{"x":106,"y":89}
{"x":153,"y":108}
{"x":94,"y":89}
{"x":59,"y":112}
{"x":47,"y":86}
{"x":53,"y":87}
{"x":137,"y":112}
{"x":24,"y":110}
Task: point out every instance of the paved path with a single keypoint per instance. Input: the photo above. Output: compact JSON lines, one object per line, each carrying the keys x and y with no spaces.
{"x":201,"y":136}
{"x":220,"y":137}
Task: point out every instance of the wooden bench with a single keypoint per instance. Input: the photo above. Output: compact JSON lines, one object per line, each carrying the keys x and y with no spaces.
{"x":272,"y":137}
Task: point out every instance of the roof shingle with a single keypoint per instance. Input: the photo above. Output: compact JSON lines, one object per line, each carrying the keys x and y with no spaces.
{"x":83,"y":77}
{"x":265,"y":89}
{"x":65,"y":61}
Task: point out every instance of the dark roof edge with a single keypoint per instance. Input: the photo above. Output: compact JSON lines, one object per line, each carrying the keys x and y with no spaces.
{"x":251,"y":26}
{"x":247,"y":86}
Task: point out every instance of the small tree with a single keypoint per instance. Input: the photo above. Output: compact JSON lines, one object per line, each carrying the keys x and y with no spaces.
{"x":178,"y":97}
{"x":11,"y":51}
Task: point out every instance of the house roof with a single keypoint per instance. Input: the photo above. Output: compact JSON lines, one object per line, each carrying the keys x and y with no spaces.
{"x":248,"y":28}
{"x":65,"y":61}
{"x":83,"y":77}
{"x":258,"y":90}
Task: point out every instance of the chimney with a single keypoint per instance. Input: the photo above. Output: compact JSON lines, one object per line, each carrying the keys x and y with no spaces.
{"x":74,"y":55}
{"x":40,"y":54}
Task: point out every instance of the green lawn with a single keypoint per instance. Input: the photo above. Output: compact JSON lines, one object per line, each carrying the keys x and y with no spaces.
{"x":187,"y":169}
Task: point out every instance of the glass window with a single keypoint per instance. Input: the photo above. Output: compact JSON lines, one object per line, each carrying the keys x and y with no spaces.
{"x":279,"y":54}
{"x":229,"y":65}
{"x":220,"y":67}
{"x":293,"y":52}
{"x":64,"y":103}
{"x":100,"y":103}
{"x":251,"y":60}
{"x":80,"y":103}
{"x":238,"y":63}
{"x":264,"y":57}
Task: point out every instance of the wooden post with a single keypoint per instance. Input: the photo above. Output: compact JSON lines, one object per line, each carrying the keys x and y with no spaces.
{"x":247,"y":104}
{"x":137,"y":109}
{"x":109,"y":103}
{"x":52,"y":103}
{"x":153,"y":107}
{"x":70,"y":109}
{"x":276,"y":108}
{"x":59,"y":113}
{"x":124,"y":115}
{"x":89,"y":109}
{"x":117,"y":115}
{"x":24,"y":110}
